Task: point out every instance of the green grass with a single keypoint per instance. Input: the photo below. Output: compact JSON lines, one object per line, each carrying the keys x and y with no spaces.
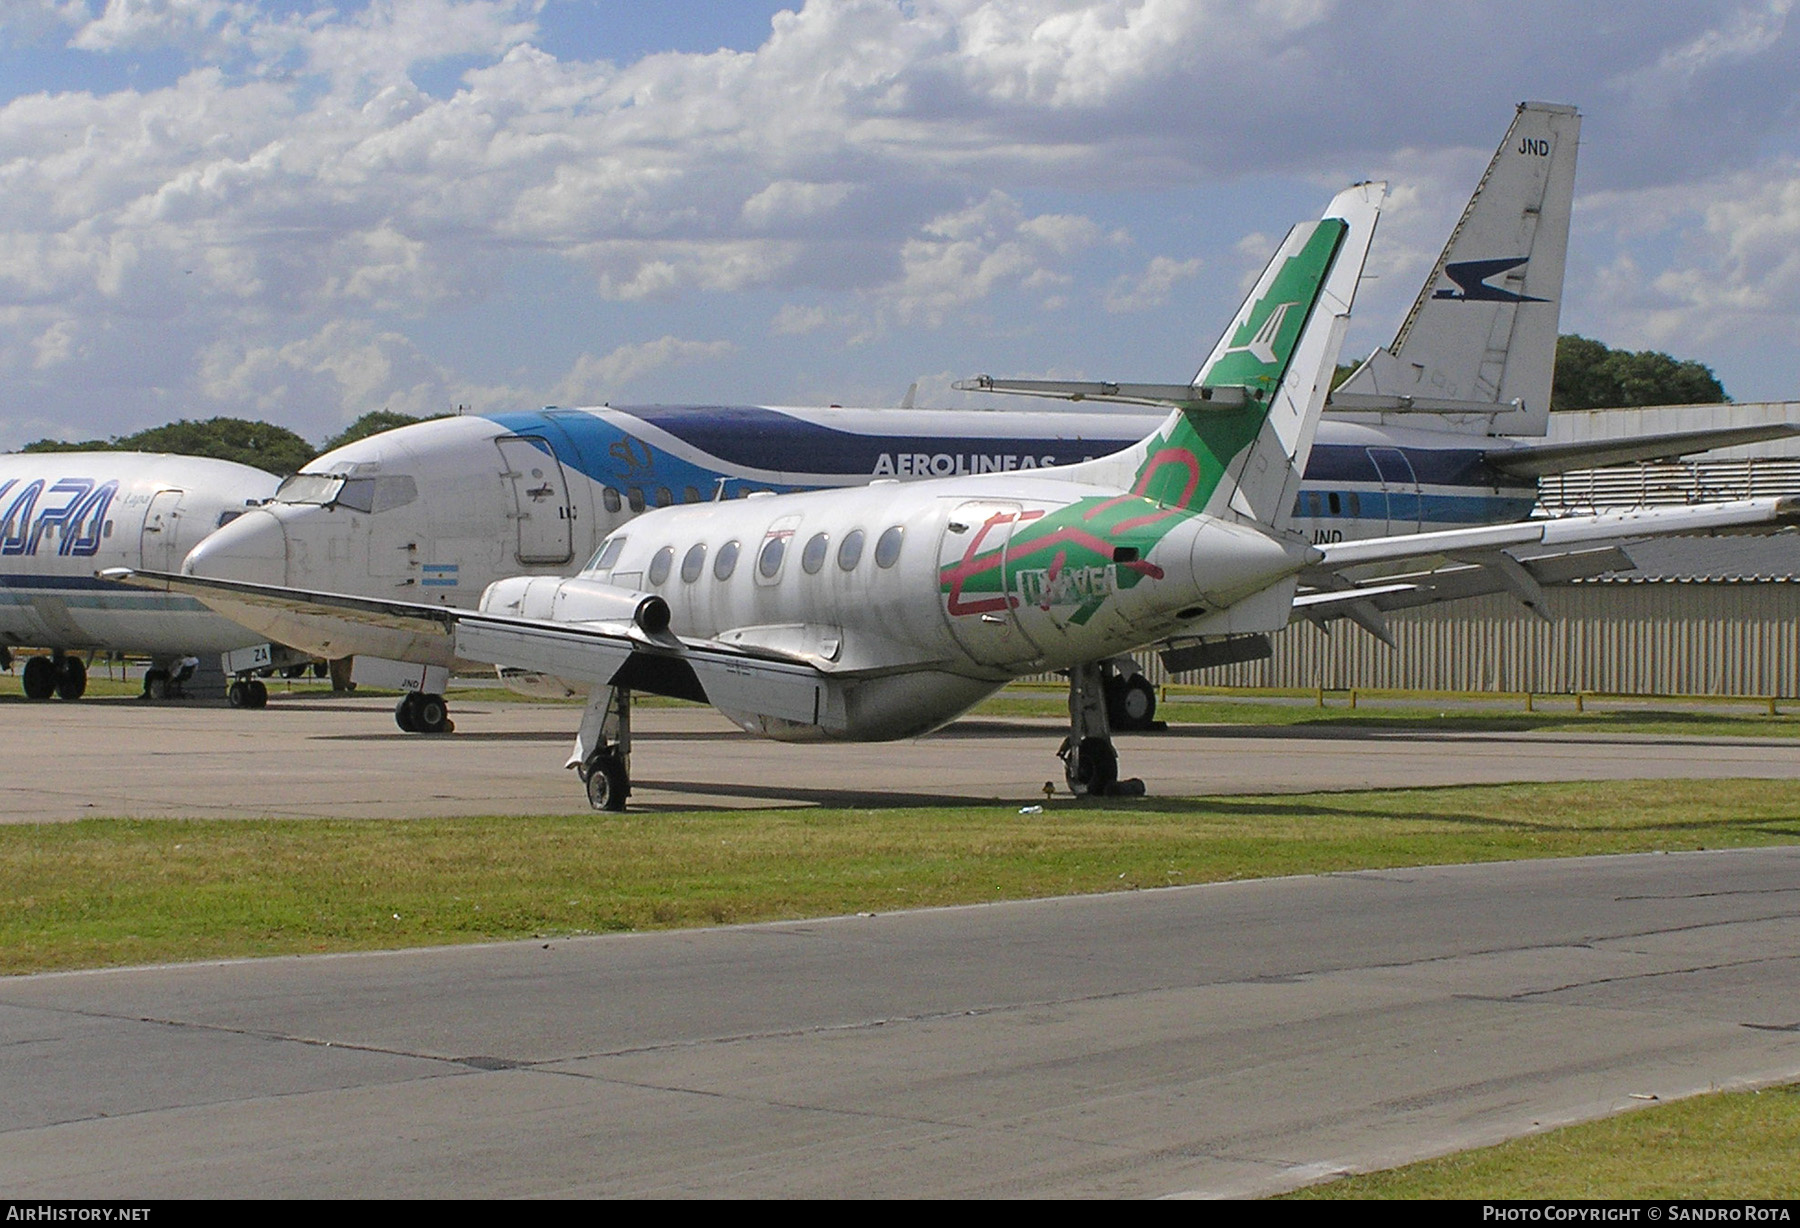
{"x":106,"y":892}
{"x":1737,"y":1145}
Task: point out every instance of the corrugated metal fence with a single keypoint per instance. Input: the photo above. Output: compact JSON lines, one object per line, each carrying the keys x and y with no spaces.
{"x":1694,"y":638}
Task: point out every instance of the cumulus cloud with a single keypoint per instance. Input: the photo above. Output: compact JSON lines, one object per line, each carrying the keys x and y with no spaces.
{"x":1152,"y":287}
{"x":343,"y":370}
{"x":593,"y":380}
{"x":1716,"y":262}
{"x":965,"y":256}
{"x":341,"y":175}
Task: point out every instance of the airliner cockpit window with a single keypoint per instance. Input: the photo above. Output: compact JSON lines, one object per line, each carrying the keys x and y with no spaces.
{"x":607,"y":555}
{"x":358,"y":494}
{"x":394,"y":490}
{"x":319,"y":488}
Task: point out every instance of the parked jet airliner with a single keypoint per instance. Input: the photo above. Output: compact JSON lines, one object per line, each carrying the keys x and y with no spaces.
{"x":64,"y":515}
{"x":1441,"y":429}
{"x":885,"y":611}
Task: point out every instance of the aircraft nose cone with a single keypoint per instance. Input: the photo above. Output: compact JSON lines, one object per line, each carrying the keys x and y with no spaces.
{"x":253,"y":548}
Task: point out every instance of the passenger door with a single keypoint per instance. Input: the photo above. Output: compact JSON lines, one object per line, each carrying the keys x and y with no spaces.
{"x":541,"y":495}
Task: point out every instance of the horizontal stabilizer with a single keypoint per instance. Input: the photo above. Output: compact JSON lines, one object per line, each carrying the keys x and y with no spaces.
{"x":1752,"y":515}
{"x":1541,"y":459}
{"x":1182,"y":396}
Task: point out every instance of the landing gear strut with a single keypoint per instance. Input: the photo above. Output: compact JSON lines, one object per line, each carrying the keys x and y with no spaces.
{"x":416,"y":713}
{"x":1090,"y":761}
{"x":602,"y":754}
{"x":163,"y":679}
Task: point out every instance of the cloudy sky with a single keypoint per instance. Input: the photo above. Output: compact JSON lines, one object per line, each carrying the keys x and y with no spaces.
{"x":302,"y":212}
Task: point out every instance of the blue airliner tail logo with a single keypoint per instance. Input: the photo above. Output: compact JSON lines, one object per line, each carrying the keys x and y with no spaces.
{"x":1472,"y":276}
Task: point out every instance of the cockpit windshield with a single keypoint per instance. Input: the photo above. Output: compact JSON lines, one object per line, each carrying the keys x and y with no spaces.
{"x":376,"y":494}
{"x":607,"y":555}
{"x":320,"y":488}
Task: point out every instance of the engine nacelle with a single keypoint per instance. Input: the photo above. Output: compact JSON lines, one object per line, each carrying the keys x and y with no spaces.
{"x":549,"y":599}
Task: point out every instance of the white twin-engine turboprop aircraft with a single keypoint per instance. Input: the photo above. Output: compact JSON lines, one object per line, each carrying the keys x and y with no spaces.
{"x":1442,"y":429}
{"x":883,"y":612}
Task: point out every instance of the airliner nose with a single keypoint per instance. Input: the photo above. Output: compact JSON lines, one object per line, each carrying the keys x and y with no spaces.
{"x":252,"y":548}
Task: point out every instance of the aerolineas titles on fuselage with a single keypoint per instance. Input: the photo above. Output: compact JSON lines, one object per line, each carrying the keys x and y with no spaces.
{"x":953,"y":464}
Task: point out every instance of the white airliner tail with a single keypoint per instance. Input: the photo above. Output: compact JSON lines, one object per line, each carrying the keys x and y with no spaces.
{"x":1479,"y":345}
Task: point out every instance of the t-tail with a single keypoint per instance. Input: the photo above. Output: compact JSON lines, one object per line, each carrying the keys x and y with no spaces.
{"x":1479,"y":345}
{"x":1236,"y":443}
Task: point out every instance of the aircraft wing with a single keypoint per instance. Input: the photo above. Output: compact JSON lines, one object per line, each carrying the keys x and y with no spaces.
{"x":611,"y":653}
{"x":1519,"y":559}
{"x":1535,"y":460}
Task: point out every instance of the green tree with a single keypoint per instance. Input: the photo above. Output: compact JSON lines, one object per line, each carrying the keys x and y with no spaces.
{"x":373,"y":423}
{"x":261,"y":444}
{"x":1589,"y":375}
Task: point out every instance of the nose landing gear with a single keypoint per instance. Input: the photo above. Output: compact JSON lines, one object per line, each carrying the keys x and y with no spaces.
{"x":247,"y":693}
{"x":602,"y":754}
{"x":417,"y":713}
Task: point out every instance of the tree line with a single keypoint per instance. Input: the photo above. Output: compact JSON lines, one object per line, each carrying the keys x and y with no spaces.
{"x":263,"y":445}
{"x":1589,"y":375}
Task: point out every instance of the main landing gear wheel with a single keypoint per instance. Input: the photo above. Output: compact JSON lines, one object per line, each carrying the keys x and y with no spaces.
{"x":247,"y":693}
{"x":608,"y":785}
{"x":1130,"y":703}
{"x":417,"y":713}
{"x":39,"y":678}
{"x":1092,"y":767}
{"x":71,"y":678}
{"x":156,"y":684}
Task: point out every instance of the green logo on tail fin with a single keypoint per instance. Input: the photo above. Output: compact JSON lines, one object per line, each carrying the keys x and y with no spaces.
{"x":1187,"y":459}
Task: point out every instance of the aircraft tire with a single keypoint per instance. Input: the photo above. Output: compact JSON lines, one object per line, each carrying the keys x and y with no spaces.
{"x":38,"y":678}
{"x":404,"y":714}
{"x":430,"y":714}
{"x":607,"y":783}
{"x":71,"y":678}
{"x":1094,"y":767}
{"x":1130,"y":703}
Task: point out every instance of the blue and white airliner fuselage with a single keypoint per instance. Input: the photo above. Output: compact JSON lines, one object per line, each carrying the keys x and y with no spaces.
{"x":66,"y":515}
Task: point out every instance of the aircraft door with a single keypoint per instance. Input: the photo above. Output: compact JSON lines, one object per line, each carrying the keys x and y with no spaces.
{"x":159,"y":543}
{"x":975,"y":580}
{"x":541,"y":495}
{"x":1400,"y":488}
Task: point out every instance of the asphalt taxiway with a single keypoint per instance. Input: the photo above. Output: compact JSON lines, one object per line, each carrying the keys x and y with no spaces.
{"x":344,"y":757}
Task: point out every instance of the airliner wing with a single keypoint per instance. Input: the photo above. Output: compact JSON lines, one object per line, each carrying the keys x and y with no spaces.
{"x":759,"y":681}
{"x":1535,"y":460}
{"x":1519,"y":559}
